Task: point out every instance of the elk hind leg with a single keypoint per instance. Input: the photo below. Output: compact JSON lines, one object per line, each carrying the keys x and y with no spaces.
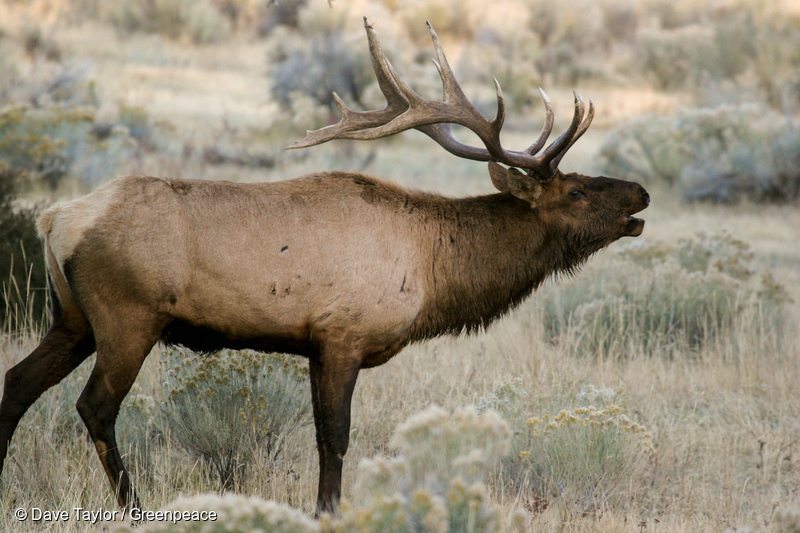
{"x":119,"y":358}
{"x":66,"y":345}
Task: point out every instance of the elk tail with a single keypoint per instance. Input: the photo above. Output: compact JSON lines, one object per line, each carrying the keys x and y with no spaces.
{"x":60,"y":292}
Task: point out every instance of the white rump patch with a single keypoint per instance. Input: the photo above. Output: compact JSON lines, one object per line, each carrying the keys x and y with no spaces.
{"x":64,"y":225}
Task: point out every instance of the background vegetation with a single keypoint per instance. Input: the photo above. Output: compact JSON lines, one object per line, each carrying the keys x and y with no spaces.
{"x":655,"y":390}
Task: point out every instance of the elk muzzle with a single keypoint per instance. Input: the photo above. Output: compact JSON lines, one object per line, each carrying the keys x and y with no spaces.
{"x":641,"y":199}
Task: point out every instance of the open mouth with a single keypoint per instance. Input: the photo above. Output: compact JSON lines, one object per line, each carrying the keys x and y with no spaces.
{"x":633,"y":226}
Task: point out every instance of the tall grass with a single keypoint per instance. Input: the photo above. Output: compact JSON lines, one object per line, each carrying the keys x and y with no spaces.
{"x":23,"y":284}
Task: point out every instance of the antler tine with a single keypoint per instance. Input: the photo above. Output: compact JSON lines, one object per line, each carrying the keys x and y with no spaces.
{"x":453,"y":95}
{"x":351,"y":120}
{"x":451,"y":89}
{"x":547,"y":128}
{"x":500,"y":115}
{"x":386,"y":81}
{"x":563,"y":140}
{"x":587,"y":121}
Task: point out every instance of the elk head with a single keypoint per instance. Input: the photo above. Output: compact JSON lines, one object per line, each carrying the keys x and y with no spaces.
{"x":595,"y":210}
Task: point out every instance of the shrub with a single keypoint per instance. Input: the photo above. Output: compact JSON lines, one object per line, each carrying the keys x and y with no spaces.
{"x":35,"y":143}
{"x":327,"y":52}
{"x":44,"y":146}
{"x":316,"y":67}
{"x":199,"y":22}
{"x":656,"y":298}
{"x":573,"y":40}
{"x":675,"y":58}
{"x":36,"y":43}
{"x":746,"y":45}
{"x":437,"y":480}
{"x":500,"y":47}
{"x":23,"y":279}
{"x":721,"y":154}
{"x":137,"y":121}
{"x":225,"y":406}
{"x":142,"y":436}
{"x":581,"y":457}
{"x":65,"y":85}
{"x":277,"y":14}
{"x":446,"y":15}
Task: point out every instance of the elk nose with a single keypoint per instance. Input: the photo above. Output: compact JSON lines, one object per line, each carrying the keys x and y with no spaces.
{"x":644,"y":195}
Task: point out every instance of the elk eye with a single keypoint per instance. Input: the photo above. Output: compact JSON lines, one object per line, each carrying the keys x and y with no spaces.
{"x":576,"y":193}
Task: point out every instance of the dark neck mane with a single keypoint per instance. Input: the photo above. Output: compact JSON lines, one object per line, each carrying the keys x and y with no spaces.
{"x":488,"y":255}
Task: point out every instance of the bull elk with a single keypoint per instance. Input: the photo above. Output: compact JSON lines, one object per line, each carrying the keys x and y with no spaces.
{"x":337,"y":267}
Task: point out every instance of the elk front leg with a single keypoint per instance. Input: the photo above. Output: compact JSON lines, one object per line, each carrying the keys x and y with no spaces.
{"x":332,"y":384}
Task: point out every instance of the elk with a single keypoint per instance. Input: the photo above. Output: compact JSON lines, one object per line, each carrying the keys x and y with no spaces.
{"x":337,"y":267}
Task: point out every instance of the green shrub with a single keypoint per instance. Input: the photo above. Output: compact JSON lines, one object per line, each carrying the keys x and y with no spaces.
{"x":37,"y":43}
{"x":664,"y":299}
{"x":326,"y":52}
{"x":722,"y":154}
{"x":38,"y":144}
{"x":446,"y":15}
{"x":436,"y":483}
{"x":676,"y":58}
{"x":581,"y":456}
{"x":225,"y":406}
{"x":23,"y":278}
{"x":137,"y":122}
{"x":275,"y":14}
{"x":67,"y":85}
{"x":44,"y":146}
{"x":199,"y":22}
{"x":574,"y":41}
{"x":316,"y":66}
{"x":498,"y":51}
{"x":751,"y":46}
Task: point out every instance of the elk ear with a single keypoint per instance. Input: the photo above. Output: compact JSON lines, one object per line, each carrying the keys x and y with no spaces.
{"x":499,"y":175}
{"x":518,"y":184}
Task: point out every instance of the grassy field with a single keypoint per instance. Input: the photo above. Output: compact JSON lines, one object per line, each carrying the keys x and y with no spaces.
{"x":709,"y":383}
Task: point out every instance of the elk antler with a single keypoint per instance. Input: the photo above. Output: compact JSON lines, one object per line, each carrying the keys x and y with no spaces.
{"x":405,"y":109}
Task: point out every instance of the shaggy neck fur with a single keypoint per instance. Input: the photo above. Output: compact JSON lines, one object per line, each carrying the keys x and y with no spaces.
{"x":490,"y":253}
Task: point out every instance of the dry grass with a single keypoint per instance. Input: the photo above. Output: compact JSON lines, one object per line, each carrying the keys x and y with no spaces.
{"x":726,"y":431}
